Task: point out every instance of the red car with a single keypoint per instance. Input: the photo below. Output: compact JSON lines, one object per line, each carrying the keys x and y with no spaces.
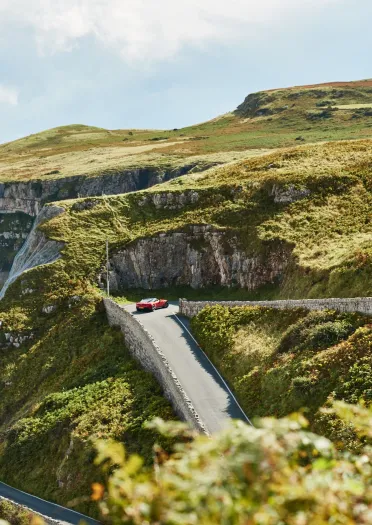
{"x":151,"y":304}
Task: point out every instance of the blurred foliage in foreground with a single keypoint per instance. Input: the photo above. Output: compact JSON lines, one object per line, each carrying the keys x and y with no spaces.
{"x":276,"y":473}
{"x":12,"y":514}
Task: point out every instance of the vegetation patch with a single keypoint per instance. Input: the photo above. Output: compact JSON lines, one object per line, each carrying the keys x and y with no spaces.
{"x":313,"y":200}
{"x":276,"y":472}
{"x":74,"y":377}
{"x":264,"y":121}
{"x":14,"y":514}
{"x":281,"y":361}
{"x":73,"y":381}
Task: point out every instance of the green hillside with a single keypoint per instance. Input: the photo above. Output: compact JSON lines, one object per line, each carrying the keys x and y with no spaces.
{"x":327,"y":227}
{"x":280,"y":362}
{"x":71,"y":376}
{"x":265,"y":120}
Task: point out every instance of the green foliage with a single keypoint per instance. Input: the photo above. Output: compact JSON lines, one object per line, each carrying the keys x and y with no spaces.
{"x":277,"y":472}
{"x":15,"y":515}
{"x":280,"y":361}
{"x":357,"y":384}
{"x":319,"y":330}
{"x":73,"y":377}
{"x":324,"y":237}
{"x":75,"y":380}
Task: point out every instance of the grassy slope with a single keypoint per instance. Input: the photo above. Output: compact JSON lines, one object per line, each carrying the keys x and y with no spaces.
{"x":281,"y":361}
{"x":75,"y":378}
{"x":72,"y":378}
{"x":328,"y":231}
{"x":266,"y":120}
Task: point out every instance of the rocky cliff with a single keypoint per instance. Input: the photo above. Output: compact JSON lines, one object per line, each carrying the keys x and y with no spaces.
{"x":21,"y":202}
{"x":199,"y":257}
{"x":29,"y":197}
{"x":14,"y":229}
{"x":36,"y":250}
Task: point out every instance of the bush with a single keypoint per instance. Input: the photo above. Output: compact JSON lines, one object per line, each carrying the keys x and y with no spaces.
{"x":14,"y":515}
{"x":275,"y":473}
{"x":319,"y":330}
{"x":357,"y":385}
{"x":302,"y":385}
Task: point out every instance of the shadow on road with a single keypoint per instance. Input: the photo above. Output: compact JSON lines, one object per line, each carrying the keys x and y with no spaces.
{"x":233,"y":410}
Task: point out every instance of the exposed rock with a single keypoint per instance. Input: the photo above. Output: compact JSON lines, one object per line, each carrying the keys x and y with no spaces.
{"x":14,"y":339}
{"x":202,"y":256}
{"x":21,"y":201}
{"x":74,"y":300}
{"x":37,"y":250}
{"x":288,"y":194}
{"x":169,"y":200}
{"x":14,"y":229}
{"x":29,"y":197}
{"x":48,"y":309}
{"x":85,"y":205}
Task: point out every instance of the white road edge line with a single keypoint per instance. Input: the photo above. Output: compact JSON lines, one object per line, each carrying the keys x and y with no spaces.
{"x":222,"y":379}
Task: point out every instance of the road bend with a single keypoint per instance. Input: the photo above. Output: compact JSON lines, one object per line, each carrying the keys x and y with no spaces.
{"x":206,"y":389}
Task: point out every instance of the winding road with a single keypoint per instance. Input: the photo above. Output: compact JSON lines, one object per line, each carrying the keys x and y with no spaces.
{"x":207,"y":390}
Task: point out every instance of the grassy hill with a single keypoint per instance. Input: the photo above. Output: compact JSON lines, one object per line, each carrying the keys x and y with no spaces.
{"x":71,"y":376}
{"x":264,"y":121}
{"x":326,"y":224}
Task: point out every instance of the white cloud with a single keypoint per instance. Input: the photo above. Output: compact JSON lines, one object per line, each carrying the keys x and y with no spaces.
{"x":8,"y":95}
{"x":145,"y":30}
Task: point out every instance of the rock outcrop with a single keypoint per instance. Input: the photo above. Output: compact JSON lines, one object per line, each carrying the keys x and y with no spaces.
{"x":199,"y":257}
{"x":29,"y":197}
{"x":14,"y":229}
{"x":22,"y":201}
{"x":37,"y":249}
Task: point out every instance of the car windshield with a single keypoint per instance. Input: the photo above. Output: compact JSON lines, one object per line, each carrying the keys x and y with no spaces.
{"x":151,"y":300}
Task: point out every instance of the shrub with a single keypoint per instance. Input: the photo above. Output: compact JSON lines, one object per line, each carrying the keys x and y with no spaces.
{"x":14,"y":515}
{"x":319,"y":330}
{"x":357,"y":384}
{"x":303,"y":385}
{"x":275,"y":473}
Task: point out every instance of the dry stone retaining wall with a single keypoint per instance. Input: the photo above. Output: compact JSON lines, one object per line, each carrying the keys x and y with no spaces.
{"x":356,"y":304}
{"x":143,"y":347}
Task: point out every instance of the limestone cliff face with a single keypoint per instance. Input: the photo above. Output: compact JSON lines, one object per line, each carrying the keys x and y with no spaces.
{"x":14,"y":229}
{"x":21,"y":202}
{"x":36,"y":250}
{"x":199,"y":257}
{"x":29,"y":197}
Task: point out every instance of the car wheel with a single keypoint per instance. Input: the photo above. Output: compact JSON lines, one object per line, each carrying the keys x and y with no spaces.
{"x":166,"y":305}
{"x":138,"y":310}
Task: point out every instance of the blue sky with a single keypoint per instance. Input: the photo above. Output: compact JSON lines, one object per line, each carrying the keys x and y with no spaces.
{"x":166,"y":63}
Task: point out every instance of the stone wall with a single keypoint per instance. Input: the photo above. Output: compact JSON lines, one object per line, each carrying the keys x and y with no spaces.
{"x":143,"y":348}
{"x":356,"y":304}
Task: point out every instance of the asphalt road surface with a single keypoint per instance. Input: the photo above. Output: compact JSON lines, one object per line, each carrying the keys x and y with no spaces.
{"x":50,"y":510}
{"x":202,"y":383}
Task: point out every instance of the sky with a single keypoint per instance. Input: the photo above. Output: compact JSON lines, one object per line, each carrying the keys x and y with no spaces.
{"x":167,"y":63}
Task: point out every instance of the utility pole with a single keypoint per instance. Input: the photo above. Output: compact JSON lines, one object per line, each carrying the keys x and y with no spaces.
{"x":107,"y":269}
